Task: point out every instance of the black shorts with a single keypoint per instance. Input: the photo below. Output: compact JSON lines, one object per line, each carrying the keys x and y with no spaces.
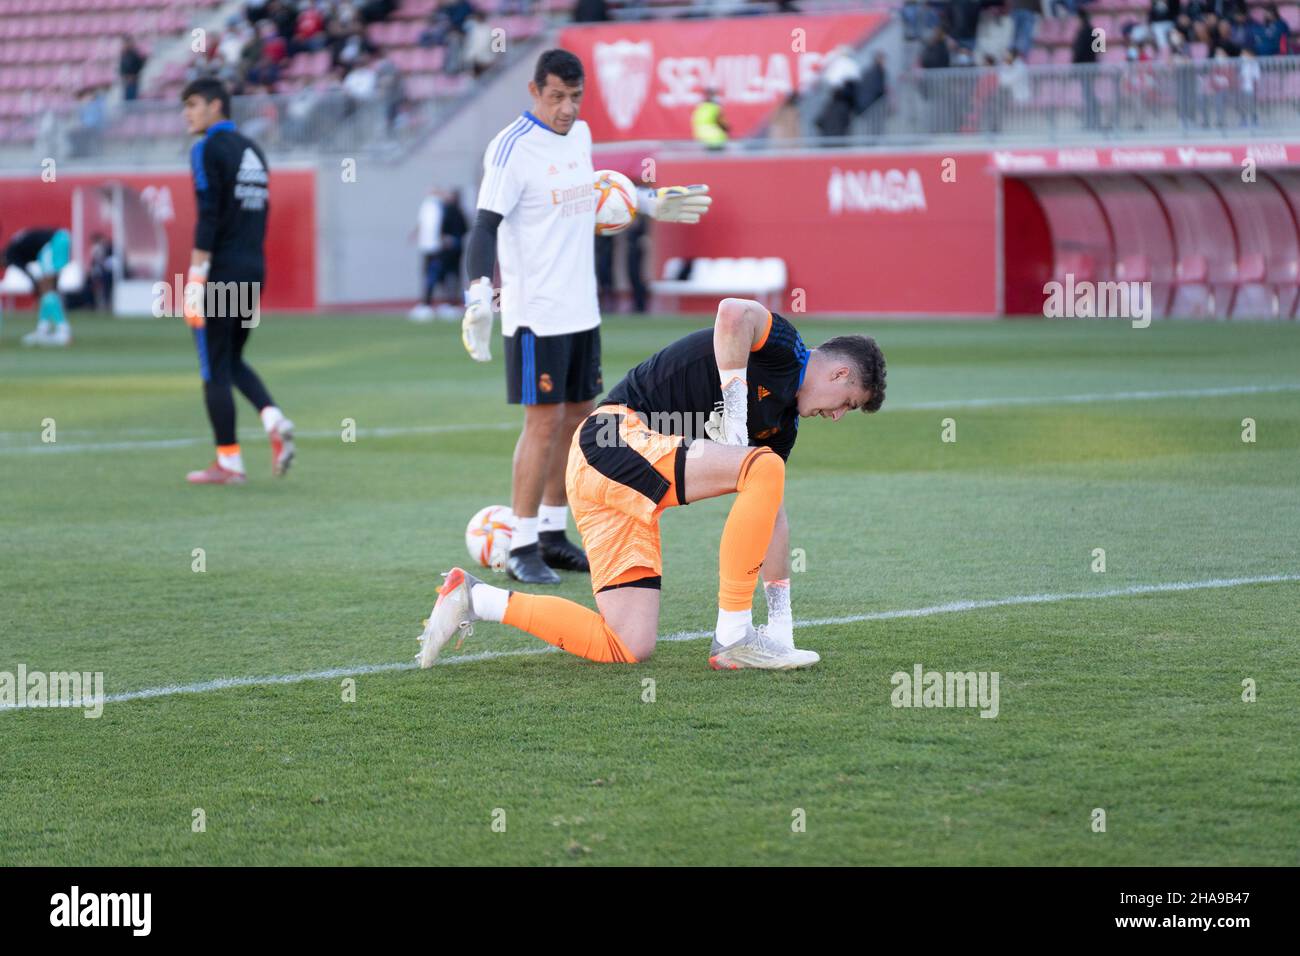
{"x":545,"y":369}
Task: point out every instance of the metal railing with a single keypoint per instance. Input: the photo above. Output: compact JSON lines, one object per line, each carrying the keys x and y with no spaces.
{"x":1116,"y":100}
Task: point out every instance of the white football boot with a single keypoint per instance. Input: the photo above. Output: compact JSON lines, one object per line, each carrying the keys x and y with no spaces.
{"x":421,"y":313}
{"x":453,"y":612}
{"x":60,"y":336}
{"x":282,"y":447}
{"x":41,"y":334}
{"x":757,"y":650}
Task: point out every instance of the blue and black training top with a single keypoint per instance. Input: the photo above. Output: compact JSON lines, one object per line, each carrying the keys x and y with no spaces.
{"x":230,"y":185}
{"x":678,"y":386}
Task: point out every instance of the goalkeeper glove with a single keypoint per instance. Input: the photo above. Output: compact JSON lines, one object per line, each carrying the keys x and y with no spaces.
{"x":195,"y":286}
{"x":729,"y":425}
{"x":676,"y":203}
{"x":476,"y":327}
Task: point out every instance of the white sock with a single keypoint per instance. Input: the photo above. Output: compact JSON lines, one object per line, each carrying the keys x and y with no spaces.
{"x":725,"y":375}
{"x":271,"y":417}
{"x":233,"y":462}
{"x":732,"y":625}
{"x":780,"y":621}
{"x":552,"y":517}
{"x":489,"y":601}
{"x":524,"y":533}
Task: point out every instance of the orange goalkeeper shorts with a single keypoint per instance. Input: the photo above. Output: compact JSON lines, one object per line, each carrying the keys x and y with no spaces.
{"x":620,"y":478}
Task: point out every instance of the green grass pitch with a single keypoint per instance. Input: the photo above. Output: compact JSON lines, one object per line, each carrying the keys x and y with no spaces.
{"x":1071,"y":436}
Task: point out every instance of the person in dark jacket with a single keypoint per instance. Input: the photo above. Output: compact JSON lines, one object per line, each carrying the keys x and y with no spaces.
{"x":1084,"y":54}
{"x":454,"y":227}
{"x":129,"y":66}
{"x":872,"y":90}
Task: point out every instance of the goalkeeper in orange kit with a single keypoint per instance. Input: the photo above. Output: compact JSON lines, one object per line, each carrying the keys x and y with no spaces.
{"x":741,"y":386}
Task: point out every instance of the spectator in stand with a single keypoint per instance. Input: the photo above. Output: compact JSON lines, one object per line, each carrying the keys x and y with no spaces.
{"x":373,"y":11}
{"x":255,"y":10}
{"x":1273,"y":36}
{"x":590,"y":11}
{"x":1243,"y":30}
{"x":1161,"y":17}
{"x":1220,"y":84}
{"x":129,"y":67}
{"x":918,"y":19}
{"x":352,"y":46}
{"x":1013,"y":76}
{"x":873,"y":88}
{"x":309,"y":31}
{"x":1204,"y":31}
{"x":1184,"y":84}
{"x":92,"y":117}
{"x":391,"y":92}
{"x":964,"y":17}
{"x":285,"y":18}
{"x":1083,"y":53}
{"x":1223,"y":41}
{"x":934,"y":55}
{"x":843,"y":78}
{"x":1024,"y":17}
{"x":275,"y":45}
{"x":447,"y":29}
{"x":477,"y":54}
{"x":233,"y":39}
{"x":1247,"y":81}
{"x":361,"y":82}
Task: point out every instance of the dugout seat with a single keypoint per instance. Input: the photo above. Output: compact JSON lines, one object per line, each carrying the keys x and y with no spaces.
{"x":759,"y":278}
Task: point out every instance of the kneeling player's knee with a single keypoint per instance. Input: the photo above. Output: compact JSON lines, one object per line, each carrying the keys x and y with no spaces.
{"x":762,"y":467}
{"x":640,"y":643}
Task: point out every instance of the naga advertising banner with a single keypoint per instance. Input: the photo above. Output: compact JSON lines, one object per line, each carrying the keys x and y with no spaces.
{"x":897,"y":234}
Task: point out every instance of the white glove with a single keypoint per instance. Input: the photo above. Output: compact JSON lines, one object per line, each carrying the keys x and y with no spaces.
{"x":676,"y":203}
{"x":476,"y":327}
{"x":729,"y":425}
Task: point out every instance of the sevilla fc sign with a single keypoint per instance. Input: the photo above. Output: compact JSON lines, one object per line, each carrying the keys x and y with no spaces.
{"x":644,"y":79}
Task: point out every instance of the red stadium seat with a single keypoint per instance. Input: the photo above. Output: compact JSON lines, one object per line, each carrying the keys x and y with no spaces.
{"x":1078,"y":264}
{"x":1134,"y":268}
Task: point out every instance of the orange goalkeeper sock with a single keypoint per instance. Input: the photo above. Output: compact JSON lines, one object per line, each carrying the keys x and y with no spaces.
{"x":748,"y":531}
{"x":569,"y":626}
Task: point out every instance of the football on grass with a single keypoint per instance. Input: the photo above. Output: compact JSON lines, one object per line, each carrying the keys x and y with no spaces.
{"x":488,"y":536}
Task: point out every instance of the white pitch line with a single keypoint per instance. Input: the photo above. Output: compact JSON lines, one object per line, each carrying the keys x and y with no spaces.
{"x":952,"y":607}
{"x":400,"y":430}
{"x":1091,"y":397}
{"x":142,"y":445}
